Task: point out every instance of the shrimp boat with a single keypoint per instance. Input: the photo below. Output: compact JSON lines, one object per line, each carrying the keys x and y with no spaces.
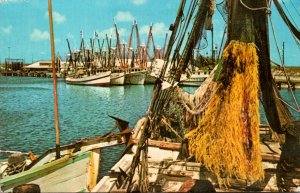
{"x":76,"y":170}
{"x":117,"y":77}
{"x":68,"y":168}
{"x":135,"y":76}
{"x":194,"y":79}
{"x":211,"y":140}
{"x":100,"y":78}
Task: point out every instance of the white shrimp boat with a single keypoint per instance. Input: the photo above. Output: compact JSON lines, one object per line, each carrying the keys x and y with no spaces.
{"x":76,"y":170}
{"x":117,"y":77}
{"x":135,"y":76}
{"x":98,"y":79}
{"x":195,"y":79}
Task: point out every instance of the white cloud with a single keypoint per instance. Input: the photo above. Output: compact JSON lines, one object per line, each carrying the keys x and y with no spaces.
{"x":7,"y":29}
{"x":158,"y":29}
{"x":112,"y":33}
{"x":123,"y":32}
{"x":70,"y":36}
{"x":124,"y":16}
{"x":144,"y":29}
{"x":11,"y":1}
{"x":138,"y":2}
{"x":109,"y":32}
{"x":38,"y":35}
{"x":57,"y":17}
{"x":57,"y":41}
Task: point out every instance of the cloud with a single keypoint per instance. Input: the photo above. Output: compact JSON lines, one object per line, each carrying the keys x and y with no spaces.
{"x":144,"y":29}
{"x":111,"y":33}
{"x":38,"y":35}
{"x":57,"y":17}
{"x":70,"y":36}
{"x":158,"y":29}
{"x":124,"y":16}
{"x":11,"y":1}
{"x":7,"y":29}
{"x":138,"y":2}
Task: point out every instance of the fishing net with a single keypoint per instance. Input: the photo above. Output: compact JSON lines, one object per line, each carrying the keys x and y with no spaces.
{"x":226,"y":140}
{"x":222,"y":8}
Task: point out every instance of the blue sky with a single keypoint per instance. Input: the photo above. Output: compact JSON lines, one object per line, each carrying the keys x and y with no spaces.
{"x":24,"y":25}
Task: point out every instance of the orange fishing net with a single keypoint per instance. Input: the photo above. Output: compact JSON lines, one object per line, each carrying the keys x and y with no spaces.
{"x":226,"y":140}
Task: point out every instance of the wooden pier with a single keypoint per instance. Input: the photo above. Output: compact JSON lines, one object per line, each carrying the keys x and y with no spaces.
{"x":28,"y":74}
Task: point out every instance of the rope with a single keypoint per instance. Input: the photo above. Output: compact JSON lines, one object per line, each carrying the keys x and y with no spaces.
{"x":268,"y":146}
{"x":255,"y":8}
{"x":290,"y":15}
{"x":290,"y":28}
{"x":298,"y":111}
{"x":281,"y":61}
{"x":295,"y":7}
{"x":15,"y":168}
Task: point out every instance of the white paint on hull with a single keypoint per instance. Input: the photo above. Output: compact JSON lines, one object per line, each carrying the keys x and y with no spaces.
{"x":150,"y":79}
{"x":100,"y":79}
{"x":137,"y":77}
{"x":117,"y":78}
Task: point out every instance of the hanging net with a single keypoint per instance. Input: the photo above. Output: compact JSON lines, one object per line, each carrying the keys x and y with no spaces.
{"x":226,"y":140}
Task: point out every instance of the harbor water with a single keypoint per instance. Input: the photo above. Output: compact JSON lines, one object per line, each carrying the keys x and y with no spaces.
{"x":27,"y":115}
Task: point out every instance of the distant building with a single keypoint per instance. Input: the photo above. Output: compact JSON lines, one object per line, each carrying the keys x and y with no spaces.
{"x":13,"y":64}
{"x":45,"y":66}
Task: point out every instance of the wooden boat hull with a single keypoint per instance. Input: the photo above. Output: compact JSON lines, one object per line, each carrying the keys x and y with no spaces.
{"x":135,"y":77}
{"x":100,"y":79}
{"x":54,"y":176}
{"x":169,"y":173}
{"x":149,"y":79}
{"x":76,"y":170}
{"x":117,"y":78}
{"x":194,"y":80}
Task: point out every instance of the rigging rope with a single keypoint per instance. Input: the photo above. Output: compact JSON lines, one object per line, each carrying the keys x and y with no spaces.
{"x":254,"y":8}
{"x":290,"y":14}
{"x":297,"y":11}
{"x":281,"y":61}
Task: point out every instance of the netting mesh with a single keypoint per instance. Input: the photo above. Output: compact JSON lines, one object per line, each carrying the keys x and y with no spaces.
{"x":222,"y":8}
{"x":226,"y":140}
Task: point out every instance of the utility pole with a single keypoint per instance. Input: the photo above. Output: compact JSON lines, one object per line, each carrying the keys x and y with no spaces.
{"x":9,"y":53}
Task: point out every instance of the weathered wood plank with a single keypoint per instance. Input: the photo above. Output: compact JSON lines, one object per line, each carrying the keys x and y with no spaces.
{"x":162,"y":144}
{"x":93,"y":169}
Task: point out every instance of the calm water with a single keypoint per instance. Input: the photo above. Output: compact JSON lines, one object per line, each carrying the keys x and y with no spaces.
{"x":26,"y":112}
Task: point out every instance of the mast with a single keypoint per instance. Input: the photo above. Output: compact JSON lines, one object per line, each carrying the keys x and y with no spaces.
{"x":164,"y":48}
{"x":108,"y":45}
{"x":119,"y":47}
{"x":278,"y":115}
{"x":70,"y":51}
{"x":159,"y":95}
{"x":146,"y":54}
{"x":130,"y":42}
{"x":154,"y":48}
{"x":138,"y":41}
{"x":54,"y":80}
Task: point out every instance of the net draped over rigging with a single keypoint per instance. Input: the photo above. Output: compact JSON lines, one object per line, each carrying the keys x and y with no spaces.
{"x":226,"y":140}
